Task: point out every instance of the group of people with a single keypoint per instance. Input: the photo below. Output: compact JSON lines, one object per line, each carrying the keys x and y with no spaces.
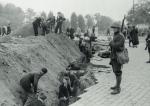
{"x":68,"y":88}
{"x":84,"y":40}
{"x":5,"y":30}
{"x":48,"y":25}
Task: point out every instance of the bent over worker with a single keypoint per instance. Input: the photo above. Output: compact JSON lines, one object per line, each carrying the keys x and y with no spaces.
{"x":30,"y":81}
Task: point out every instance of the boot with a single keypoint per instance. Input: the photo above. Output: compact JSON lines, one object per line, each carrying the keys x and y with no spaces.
{"x":116,"y":91}
{"x":117,"y":88}
{"x":113,"y":88}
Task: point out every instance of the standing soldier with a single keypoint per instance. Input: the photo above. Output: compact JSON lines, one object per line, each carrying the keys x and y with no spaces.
{"x":8,"y":29}
{"x":148,"y":44}
{"x":129,"y":35}
{"x":52,"y":24}
{"x":134,"y":36}
{"x":4,"y":30}
{"x":108,"y":32}
{"x":59,"y":21}
{"x":117,"y":45}
{"x":36,"y":25}
{"x":44,"y":27}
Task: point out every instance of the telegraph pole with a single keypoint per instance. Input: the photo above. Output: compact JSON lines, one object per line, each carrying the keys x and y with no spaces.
{"x":133,"y":7}
{"x":133,"y":13}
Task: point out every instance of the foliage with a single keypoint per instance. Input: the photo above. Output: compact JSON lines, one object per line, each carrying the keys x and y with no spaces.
{"x":43,"y":14}
{"x":74,"y":21}
{"x":29,"y":14}
{"x":66,"y":24}
{"x":81,"y":23}
{"x":103,"y":22}
{"x":90,"y":21}
{"x":140,"y":14}
{"x":11,"y":14}
{"x":50,"y":14}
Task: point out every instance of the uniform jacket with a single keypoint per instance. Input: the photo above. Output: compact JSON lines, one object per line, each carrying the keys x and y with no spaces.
{"x":148,"y":40}
{"x":117,"y":44}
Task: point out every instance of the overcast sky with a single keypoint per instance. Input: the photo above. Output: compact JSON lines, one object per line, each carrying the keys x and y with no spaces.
{"x":113,"y":8}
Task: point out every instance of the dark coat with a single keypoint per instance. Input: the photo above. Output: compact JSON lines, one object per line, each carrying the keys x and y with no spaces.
{"x":117,"y":44}
{"x":27,"y":80}
{"x":148,"y":40}
{"x":63,"y":92}
{"x":134,"y":36}
{"x":8,"y":30}
{"x":37,"y":22}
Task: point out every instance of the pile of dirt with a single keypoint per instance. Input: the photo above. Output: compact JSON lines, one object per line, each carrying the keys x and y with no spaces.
{"x":54,"y":52}
{"x":25,"y":31}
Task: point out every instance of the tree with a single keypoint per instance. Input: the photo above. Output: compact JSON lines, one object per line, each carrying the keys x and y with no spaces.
{"x":13,"y":15}
{"x":141,"y":13}
{"x":74,"y":21}
{"x":50,"y":14}
{"x":30,"y":14}
{"x":90,"y":21}
{"x":43,"y":14}
{"x":103,"y":22}
{"x":81,"y":23}
{"x":66,"y":24}
{"x":1,"y":9}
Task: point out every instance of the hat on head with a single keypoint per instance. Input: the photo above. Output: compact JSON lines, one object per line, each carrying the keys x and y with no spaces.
{"x":44,"y":70}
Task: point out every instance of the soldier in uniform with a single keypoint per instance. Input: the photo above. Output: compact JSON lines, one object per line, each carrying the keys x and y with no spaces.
{"x":44,"y":27}
{"x":148,"y":44}
{"x":36,"y":25}
{"x":51,"y":23}
{"x":116,"y":45}
{"x":8,"y":29}
{"x":59,"y":21}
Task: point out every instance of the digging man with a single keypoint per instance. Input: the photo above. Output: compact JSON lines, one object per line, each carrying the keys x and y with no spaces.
{"x":29,"y":83}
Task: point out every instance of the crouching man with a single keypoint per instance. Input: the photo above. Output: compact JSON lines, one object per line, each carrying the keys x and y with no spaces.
{"x":29,"y":84}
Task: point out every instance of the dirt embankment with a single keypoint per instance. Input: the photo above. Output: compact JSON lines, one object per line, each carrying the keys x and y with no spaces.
{"x":31,"y":54}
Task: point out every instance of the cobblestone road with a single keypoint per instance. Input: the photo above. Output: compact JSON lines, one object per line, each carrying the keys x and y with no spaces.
{"x":135,"y":83}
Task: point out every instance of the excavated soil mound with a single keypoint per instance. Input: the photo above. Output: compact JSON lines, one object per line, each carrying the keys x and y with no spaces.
{"x":54,"y":52}
{"x":25,"y":31}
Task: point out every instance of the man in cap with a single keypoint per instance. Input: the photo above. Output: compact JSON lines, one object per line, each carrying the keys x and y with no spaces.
{"x":116,"y":45}
{"x":60,"y":19}
{"x":36,"y":25}
{"x":8,"y":29}
{"x":30,"y":81}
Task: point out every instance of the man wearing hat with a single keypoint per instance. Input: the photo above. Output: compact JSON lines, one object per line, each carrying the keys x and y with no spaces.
{"x":36,"y":24}
{"x":60,"y":19}
{"x":116,"y":45}
{"x":29,"y":83}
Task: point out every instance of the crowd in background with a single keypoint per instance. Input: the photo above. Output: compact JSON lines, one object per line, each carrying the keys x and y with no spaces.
{"x":49,"y":25}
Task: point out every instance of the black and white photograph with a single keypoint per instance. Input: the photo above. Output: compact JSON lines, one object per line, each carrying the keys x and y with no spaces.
{"x":74,"y":52}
